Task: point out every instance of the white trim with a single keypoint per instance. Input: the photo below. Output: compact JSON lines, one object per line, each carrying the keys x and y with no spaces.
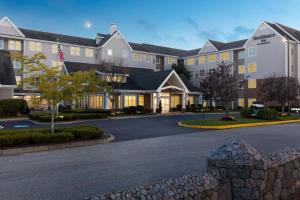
{"x":8,"y":86}
{"x":14,"y":26}
{"x":286,"y":32}
{"x":172,"y":87}
{"x":114,"y":34}
{"x":155,"y":54}
{"x":166,"y":79}
{"x":210,"y":44}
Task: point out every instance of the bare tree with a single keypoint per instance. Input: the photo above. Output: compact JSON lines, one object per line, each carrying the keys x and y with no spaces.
{"x":208,"y":88}
{"x":278,"y":90}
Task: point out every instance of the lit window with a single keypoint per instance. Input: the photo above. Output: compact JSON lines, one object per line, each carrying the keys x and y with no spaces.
{"x":1,"y":44}
{"x":109,"y":52}
{"x":190,"y":61}
{"x":241,"y":69}
{"x":251,"y":101}
{"x":148,"y":57}
{"x":129,"y":100}
{"x":95,"y":102}
{"x":141,"y":100}
{"x":89,"y":53}
{"x":251,"y":67}
{"x":18,"y":79}
{"x":202,"y":72}
{"x":224,"y":56}
{"x":171,"y":60}
{"x":136,"y":56}
{"x":175,"y":100}
{"x":212,"y":58}
{"x":54,"y":48}
{"x":75,"y":51}
{"x":14,"y":45}
{"x":16,"y":64}
{"x":251,"y":83}
{"x":35,"y":46}
{"x":252,"y":51}
{"x":241,"y":102}
{"x":202,"y":60}
{"x":191,"y":100}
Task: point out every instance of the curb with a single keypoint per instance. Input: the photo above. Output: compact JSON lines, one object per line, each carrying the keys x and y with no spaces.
{"x":237,"y":125}
{"x":32,"y":149}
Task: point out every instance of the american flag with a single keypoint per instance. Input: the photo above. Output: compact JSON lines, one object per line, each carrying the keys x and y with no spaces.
{"x":61,"y":54}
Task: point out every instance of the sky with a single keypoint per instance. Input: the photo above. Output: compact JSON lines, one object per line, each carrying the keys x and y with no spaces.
{"x":184,"y":24}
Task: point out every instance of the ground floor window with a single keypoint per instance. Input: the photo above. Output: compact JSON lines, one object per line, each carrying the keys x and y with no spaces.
{"x":250,"y":101}
{"x":129,"y":100}
{"x":191,"y":99}
{"x":241,"y":102}
{"x":175,"y":100}
{"x":96,"y":102}
{"x":141,"y":100}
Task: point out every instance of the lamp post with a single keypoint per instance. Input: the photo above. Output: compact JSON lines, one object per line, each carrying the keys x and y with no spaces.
{"x":287,"y":40}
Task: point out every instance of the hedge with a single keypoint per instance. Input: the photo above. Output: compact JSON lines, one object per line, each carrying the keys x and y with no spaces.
{"x":24,"y":137}
{"x":267,"y":114}
{"x":46,"y":117}
{"x":246,"y":112}
{"x":13,"y":107}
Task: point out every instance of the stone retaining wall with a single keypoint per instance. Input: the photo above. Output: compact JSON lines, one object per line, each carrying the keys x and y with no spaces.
{"x":235,"y":170}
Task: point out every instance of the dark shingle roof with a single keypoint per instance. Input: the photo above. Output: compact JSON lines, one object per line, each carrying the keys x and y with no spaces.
{"x":7,"y":75}
{"x":294,"y":32}
{"x":221,"y":46}
{"x":139,"y":79}
{"x":39,"y":35}
{"x":157,"y":49}
{"x":191,"y":53}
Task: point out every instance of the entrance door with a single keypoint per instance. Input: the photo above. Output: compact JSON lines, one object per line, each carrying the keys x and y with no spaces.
{"x":165,"y":102}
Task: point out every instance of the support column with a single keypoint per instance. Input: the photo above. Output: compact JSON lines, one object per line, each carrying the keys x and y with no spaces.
{"x":158,"y":99}
{"x":106,"y":101}
{"x":184,"y":100}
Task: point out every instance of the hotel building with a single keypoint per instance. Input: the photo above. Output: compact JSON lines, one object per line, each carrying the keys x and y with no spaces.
{"x":148,"y":77}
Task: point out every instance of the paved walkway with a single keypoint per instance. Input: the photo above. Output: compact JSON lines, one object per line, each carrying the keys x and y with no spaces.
{"x":81,"y":172}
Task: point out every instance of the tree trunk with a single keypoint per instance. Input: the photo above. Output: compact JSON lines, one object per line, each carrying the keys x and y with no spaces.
{"x":52,"y":117}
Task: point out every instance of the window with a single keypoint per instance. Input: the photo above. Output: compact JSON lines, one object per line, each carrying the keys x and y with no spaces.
{"x":175,"y":100}
{"x":251,"y":67}
{"x":171,"y":60}
{"x":129,"y":100}
{"x":136,"y":56}
{"x":54,"y":48}
{"x":251,"y":101}
{"x":89,"y":53}
{"x":75,"y":51}
{"x":191,"y":99}
{"x":212,"y":58}
{"x":241,"y":55}
{"x":18,"y":79}
{"x":14,"y":45}
{"x":241,"y":69}
{"x":96,"y":102}
{"x":16,"y":64}
{"x":190,"y":61}
{"x":252,"y":51}
{"x":202,"y":72}
{"x":202,"y":60}
{"x":109,"y":52}
{"x":35,"y":46}
{"x":224,"y":56}
{"x":241,"y":102}
{"x":251,"y":83}
{"x":1,"y":44}
{"x":148,"y":57}
{"x":241,"y":84}
{"x":141,"y":100}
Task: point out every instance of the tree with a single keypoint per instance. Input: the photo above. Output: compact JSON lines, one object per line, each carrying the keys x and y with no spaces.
{"x":208,"y":87}
{"x":49,"y":81}
{"x":278,"y":89}
{"x":181,"y":69}
{"x":226,"y":84}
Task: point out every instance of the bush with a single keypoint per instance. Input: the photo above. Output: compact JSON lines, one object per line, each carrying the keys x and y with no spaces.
{"x":246,"y":112}
{"x":140,"y":109}
{"x":211,"y":108}
{"x":46,"y":117}
{"x":22,"y":137}
{"x":267,"y":114}
{"x":13,"y":107}
{"x":179,"y":107}
{"x":228,"y":118}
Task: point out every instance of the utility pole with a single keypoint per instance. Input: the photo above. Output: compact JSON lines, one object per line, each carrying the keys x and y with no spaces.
{"x":288,"y":73}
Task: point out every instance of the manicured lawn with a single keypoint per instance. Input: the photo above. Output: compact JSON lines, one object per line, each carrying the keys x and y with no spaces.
{"x":238,"y":120}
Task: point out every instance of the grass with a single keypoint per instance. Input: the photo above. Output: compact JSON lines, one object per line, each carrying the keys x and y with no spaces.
{"x":238,"y":120}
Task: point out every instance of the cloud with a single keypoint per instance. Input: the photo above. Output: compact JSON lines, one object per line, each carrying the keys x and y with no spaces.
{"x":240,"y":32}
{"x":149,"y":29}
{"x":201,"y":33}
{"x":176,"y":39}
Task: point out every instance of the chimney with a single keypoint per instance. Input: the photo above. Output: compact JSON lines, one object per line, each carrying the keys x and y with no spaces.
{"x":113,"y":28}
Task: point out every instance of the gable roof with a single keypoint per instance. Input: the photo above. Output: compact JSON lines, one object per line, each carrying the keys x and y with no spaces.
{"x":279,"y":30}
{"x":293,"y":32}
{"x":7,"y":75}
{"x":221,"y":46}
{"x":39,"y":35}
{"x":157,"y":49}
{"x":192,"y":52}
